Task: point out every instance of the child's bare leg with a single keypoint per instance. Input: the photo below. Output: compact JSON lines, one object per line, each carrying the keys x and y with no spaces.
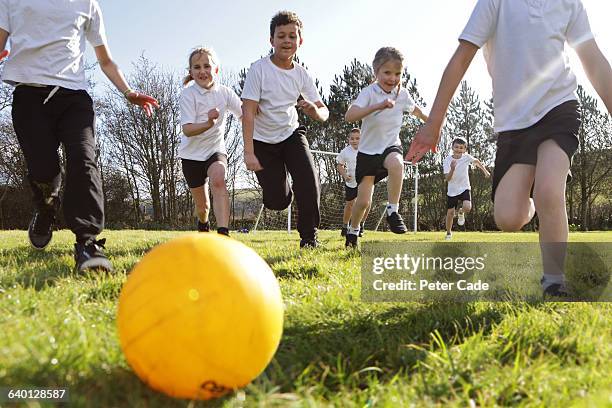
{"x":549,"y":196}
{"x":466,"y":207}
{"x":450,"y":215}
{"x":348,"y":208}
{"x":216,"y":173}
{"x":201,"y":201}
{"x":513,"y":207}
{"x":395,"y":167}
{"x":362,"y":202}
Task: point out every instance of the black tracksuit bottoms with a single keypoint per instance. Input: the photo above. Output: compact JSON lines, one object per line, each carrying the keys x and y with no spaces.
{"x":66,"y":118}
{"x":291,"y":155}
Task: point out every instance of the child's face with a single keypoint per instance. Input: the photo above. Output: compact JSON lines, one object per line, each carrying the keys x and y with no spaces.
{"x":203,"y":70}
{"x":389,"y":75}
{"x":286,"y":41}
{"x":354,"y":139}
{"x":459,"y":148}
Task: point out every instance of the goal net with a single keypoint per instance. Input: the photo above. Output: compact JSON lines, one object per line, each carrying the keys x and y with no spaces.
{"x":332,"y":201}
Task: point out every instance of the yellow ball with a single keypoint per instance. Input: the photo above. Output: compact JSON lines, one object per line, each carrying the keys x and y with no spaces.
{"x":199,"y":316}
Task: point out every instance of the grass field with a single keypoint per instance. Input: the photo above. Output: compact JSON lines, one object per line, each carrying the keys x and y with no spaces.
{"x":57,"y":329}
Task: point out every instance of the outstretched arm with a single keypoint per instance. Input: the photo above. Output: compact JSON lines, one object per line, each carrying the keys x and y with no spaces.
{"x":356,"y":113}
{"x":418,"y":112}
{"x":482,"y":168}
{"x":428,"y":136}
{"x":597,"y":69}
{"x":114,"y":74}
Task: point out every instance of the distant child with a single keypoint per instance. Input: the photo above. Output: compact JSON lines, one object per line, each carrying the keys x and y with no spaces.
{"x":536,"y":111}
{"x":455,"y":168}
{"x":347,"y":161}
{"x":51,"y":107}
{"x":202,"y":151}
{"x":274,"y":141}
{"x":381,"y":107}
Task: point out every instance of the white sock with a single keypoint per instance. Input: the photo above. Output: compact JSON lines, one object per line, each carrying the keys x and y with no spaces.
{"x":550,"y":279}
{"x":391,"y":208}
{"x":352,"y":231}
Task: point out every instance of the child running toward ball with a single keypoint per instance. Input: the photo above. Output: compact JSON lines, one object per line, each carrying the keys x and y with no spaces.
{"x":455,"y":168}
{"x":381,"y":107}
{"x":203,"y":155}
{"x":51,"y":107}
{"x":537,"y":115}
{"x":274,"y":141}
{"x":347,"y":161}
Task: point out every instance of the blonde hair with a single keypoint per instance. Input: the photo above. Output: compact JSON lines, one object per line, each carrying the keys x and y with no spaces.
{"x":199,"y":51}
{"x":384,"y":55}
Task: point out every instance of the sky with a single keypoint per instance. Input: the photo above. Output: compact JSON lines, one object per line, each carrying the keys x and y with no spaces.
{"x":335,"y":32}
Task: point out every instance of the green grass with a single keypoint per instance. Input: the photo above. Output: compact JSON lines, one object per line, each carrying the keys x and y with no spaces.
{"x":57,"y":329}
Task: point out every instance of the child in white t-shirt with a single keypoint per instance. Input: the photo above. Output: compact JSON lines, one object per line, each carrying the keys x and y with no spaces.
{"x":274,"y":141}
{"x":202,"y":150}
{"x":51,"y":107}
{"x":536,"y":111}
{"x":456,"y":172}
{"x":347,"y":162}
{"x":381,"y":107}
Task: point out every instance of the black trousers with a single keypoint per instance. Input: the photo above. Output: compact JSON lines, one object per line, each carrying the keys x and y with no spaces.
{"x":66,"y":118}
{"x":291,"y":155}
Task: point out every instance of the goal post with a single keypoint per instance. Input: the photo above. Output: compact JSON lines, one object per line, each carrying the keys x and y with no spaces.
{"x":332,"y":200}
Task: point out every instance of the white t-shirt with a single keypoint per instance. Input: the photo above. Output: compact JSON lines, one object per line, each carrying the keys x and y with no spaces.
{"x":524,"y":44}
{"x":195,"y":102}
{"x":461,"y":179}
{"x":380,"y":129}
{"x":277,"y":91}
{"x":47,"y":40}
{"x":348,"y":157}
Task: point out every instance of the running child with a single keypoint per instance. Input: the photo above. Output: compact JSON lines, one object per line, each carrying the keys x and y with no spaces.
{"x":455,"y":168}
{"x":51,"y":107}
{"x":537,"y":115}
{"x":347,"y":161}
{"x":203,"y":155}
{"x":381,"y":107}
{"x":274,"y":141}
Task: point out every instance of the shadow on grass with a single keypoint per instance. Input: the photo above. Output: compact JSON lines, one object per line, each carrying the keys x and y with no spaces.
{"x":335,"y":354}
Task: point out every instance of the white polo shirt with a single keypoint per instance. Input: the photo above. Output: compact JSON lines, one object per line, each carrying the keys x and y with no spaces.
{"x":348,"y":157}
{"x":524,"y":49}
{"x":195,"y":102}
{"x":47,"y":40}
{"x":461,"y":179}
{"x":380,"y":129}
{"x":277,"y":91}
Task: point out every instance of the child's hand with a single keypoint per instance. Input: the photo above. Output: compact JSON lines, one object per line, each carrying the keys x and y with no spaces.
{"x":487,"y":174}
{"x":453,"y":164}
{"x":307,"y":107}
{"x":348,"y":178}
{"x":145,"y":101}
{"x":213,"y":115}
{"x":386,"y":104}
{"x":4,"y":54}
{"x":426,"y":139}
{"x":251,"y":162}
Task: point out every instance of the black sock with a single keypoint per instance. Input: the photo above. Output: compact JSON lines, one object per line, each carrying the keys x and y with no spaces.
{"x":223,"y":231}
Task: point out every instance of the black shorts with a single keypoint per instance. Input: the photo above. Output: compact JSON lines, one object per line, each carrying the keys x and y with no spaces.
{"x":561,"y":124}
{"x":196,"y":172}
{"x":451,"y":202}
{"x":372,"y":164}
{"x":350,"y":193}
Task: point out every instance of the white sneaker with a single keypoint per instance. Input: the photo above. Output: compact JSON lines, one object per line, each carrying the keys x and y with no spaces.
{"x":461,"y":218}
{"x":448,"y":236}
